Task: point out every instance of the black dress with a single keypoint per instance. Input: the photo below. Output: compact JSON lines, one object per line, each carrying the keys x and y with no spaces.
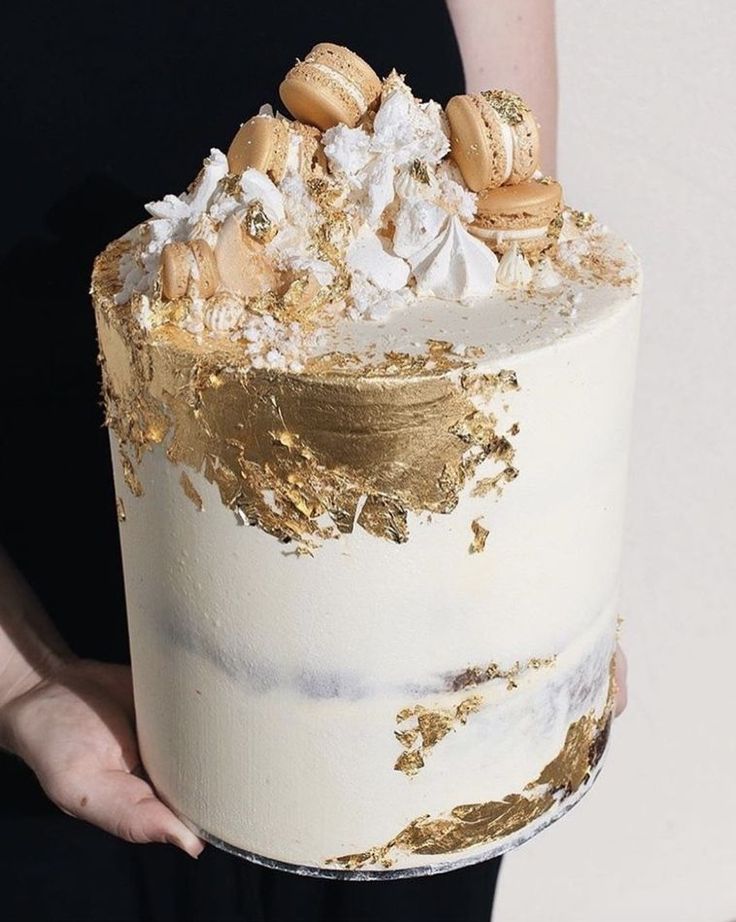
{"x":108,"y":106}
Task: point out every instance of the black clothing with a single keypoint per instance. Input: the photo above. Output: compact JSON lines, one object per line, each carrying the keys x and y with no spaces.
{"x":108,"y":106}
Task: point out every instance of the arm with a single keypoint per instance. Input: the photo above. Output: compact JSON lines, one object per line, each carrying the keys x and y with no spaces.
{"x":510,"y":45}
{"x":72,"y":722}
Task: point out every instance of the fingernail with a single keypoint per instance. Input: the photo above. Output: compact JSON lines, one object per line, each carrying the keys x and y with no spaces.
{"x":194,"y":849}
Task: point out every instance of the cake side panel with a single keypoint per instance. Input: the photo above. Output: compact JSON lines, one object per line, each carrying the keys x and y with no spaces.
{"x":244,"y":650}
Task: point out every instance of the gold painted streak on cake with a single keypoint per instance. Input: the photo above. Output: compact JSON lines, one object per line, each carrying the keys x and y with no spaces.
{"x":120,"y":508}
{"x":353,"y":447}
{"x":470,"y":825}
{"x":431,"y":725}
{"x":191,"y":491}
{"x":480,"y":536}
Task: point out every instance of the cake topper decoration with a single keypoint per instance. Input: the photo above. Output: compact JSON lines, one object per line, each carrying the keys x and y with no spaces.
{"x":494,"y":137}
{"x":368,"y":200}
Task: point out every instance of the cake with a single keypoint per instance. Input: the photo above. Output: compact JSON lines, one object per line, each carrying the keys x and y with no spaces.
{"x":371,"y":473}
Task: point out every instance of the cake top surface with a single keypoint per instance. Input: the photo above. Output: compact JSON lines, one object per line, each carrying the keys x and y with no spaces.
{"x":353,"y":235}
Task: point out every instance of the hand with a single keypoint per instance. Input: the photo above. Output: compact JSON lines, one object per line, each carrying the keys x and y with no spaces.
{"x":75,"y":729}
{"x":622,"y":694}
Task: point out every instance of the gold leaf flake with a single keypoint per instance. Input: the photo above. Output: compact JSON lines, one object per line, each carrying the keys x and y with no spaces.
{"x":431,"y":726}
{"x":190,"y":490}
{"x":508,"y":105}
{"x":480,"y":536}
{"x":418,"y":171}
{"x":257,"y":223}
{"x":479,"y":675}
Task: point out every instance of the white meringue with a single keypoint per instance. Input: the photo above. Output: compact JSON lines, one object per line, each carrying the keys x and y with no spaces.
{"x":257,"y":187}
{"x":223,"y":316}
{"x":454,"y":266}
{"x":514,"y":271}
{"x":366,"y":255}
{"x":214,"y":169}
{"x":404,"y":130}
{"x":416,"y":223}
{"x":293,"y":247}
{"x":546,"y":277}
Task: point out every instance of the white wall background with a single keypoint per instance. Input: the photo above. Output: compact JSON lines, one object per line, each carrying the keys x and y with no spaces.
{"x":648,"y":143}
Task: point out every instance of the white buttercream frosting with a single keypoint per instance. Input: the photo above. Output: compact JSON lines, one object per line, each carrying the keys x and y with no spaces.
{"x":454,"y":266}
{"x":521,"y":233}
{"x":508,"y":137}
{"x":514,"y":271}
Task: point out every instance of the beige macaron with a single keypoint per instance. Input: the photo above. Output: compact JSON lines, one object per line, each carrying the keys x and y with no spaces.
{"x":262,"y":143}
{"x":527,"y":214}
{"x":332,"y":85}
{"x":494,"y":138}
{"x":242,"y":262}
{"x":188,"y":269}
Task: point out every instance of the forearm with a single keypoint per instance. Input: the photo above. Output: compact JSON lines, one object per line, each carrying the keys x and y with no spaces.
{"x":510,"y":44}
{"x":30,"y":646}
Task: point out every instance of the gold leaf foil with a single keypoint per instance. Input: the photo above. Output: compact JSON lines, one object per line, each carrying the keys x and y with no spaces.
{"x":470,"y":825}
{"x":257,"y":223}
{"x":190,"y":490}
{"x":418,"y":170}
{"x":480,"y":536}
{"x":495,"y":484}
{"x":120,"y":507}
{"x":479,"y":675}
{"x":431,"y":726}
{"x":582,"y":219}
{"x":370,"y":442}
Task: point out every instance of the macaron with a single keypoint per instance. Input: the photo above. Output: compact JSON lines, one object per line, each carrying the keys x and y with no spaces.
{"x":262,"y":143}
{"x":188,"y":269}
{"x":527,"y":214}
{"x":312,"y":159}
{"x":332,"y":85}
{"x":204,"y":277}
{"x":176,"y":268}
{"x":494,"y":138}
{"x":242,"y":262}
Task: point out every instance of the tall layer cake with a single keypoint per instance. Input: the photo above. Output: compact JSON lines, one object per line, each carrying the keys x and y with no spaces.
{"x":369,"y":384}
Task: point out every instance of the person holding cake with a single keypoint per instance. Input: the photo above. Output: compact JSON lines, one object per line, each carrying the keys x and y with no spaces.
{"x":225,"y":270}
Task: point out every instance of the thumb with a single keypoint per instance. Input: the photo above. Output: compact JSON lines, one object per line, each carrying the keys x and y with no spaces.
{"x":126,"y":806}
